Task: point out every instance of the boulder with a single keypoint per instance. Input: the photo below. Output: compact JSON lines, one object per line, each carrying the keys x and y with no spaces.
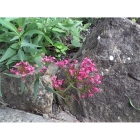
{"x":14,"y":115}
{"x":114,"y":46}
{"x":11,"y":94}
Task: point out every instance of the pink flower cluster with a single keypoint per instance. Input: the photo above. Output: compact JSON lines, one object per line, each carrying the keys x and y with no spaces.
{"x":48,"y":59}
{"x":85,"y":75}
{"x":22,"y":69}
{"x":57,"y":83}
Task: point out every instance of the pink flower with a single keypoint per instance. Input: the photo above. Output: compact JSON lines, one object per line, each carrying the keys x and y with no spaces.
{"x":83,"y":96}
{"x":60,"y":82}
{"x":22,"y":69}
{"x":90,"y":94}
{"x":56,"y":83}
{"x":48,"y":59}
{"x":95,"y":89}
{"x":72,"y":71}
{"x":60,"y":63}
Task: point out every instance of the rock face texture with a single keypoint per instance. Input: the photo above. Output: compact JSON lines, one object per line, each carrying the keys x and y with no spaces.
{"x":14,"y":115}
{"x":114,"y":45}
{"x":11,"y":91}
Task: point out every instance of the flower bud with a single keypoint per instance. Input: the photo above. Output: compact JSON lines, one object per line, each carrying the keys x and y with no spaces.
{"x":20,"y":29}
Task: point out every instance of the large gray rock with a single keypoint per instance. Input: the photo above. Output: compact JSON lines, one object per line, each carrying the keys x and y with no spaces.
{"x":11,"y":94}
{"x":114,"y":45}
{"x":14,"y":115}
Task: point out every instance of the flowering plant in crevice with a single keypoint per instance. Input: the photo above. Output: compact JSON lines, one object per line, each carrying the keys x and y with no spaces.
{"x":83,"y":77}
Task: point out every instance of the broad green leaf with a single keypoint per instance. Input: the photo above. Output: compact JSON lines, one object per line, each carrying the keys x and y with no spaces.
{"x":48,"y":39}
{"x":0,"y":85}
{"x":6,"y":37}
{"x":12,"y":75}
{"x":29,"y":44}
{"x":21,"y":21}
{"x":30,"y":26}
{"x":9,"y":52}
{"x":38,"y":60}
{"x":12,"y":59}
{"x":36,"y":84}
{"x":9,"y":25}
{"x":14,"y":38}
{"x":57,"y":30}
{"x":66,"y":26}
{"x":39,"y":25}
{"x":21,"y":54}
{"x":22,"y":86}
{"x":37,"y":39}
{"x":31,"y":32}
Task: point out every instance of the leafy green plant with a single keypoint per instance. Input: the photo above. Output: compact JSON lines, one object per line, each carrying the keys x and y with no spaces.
{"x":26,"y":39}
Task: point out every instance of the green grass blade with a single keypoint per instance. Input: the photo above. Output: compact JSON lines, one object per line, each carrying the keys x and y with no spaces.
{"x":36,"y":84}
{"x":130,"y":101}
{"x":12,"y":75}
{"x":22,"y":86}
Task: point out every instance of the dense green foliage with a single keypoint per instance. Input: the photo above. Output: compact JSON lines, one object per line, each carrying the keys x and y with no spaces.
{"x":27,"y":38}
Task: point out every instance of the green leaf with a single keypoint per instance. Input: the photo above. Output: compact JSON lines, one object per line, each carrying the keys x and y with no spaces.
{"x":0,"y":85}
{"x":21,"y":21}
{"x":10,"y":19}
{"x":134,"y":20}
{"x":58,"y":30}
{"x":30,"y":26}
{"x":76,"y":43}
{"x":9,"y":52}
{"x":14,"y":38}
{"x":39,"y":25}
{"x":53,"y":22}
{"x":23,"y":44}
{"x":36,"y":84}
{"x":37,"y":39}
{"x":22,"y":86}
{"x":53,"y":91}
{"x":38,"y":61}
{"x":12,"y":75}
{"x":48,"y":39}
{"x":130,"y":101}
{"x":31,"y":32}
{"x":6,"y":37}
{"x":86,"y":25}
{"x":9,"y":25}
{"x":21,"y":54}
{"x":57,"y":50}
